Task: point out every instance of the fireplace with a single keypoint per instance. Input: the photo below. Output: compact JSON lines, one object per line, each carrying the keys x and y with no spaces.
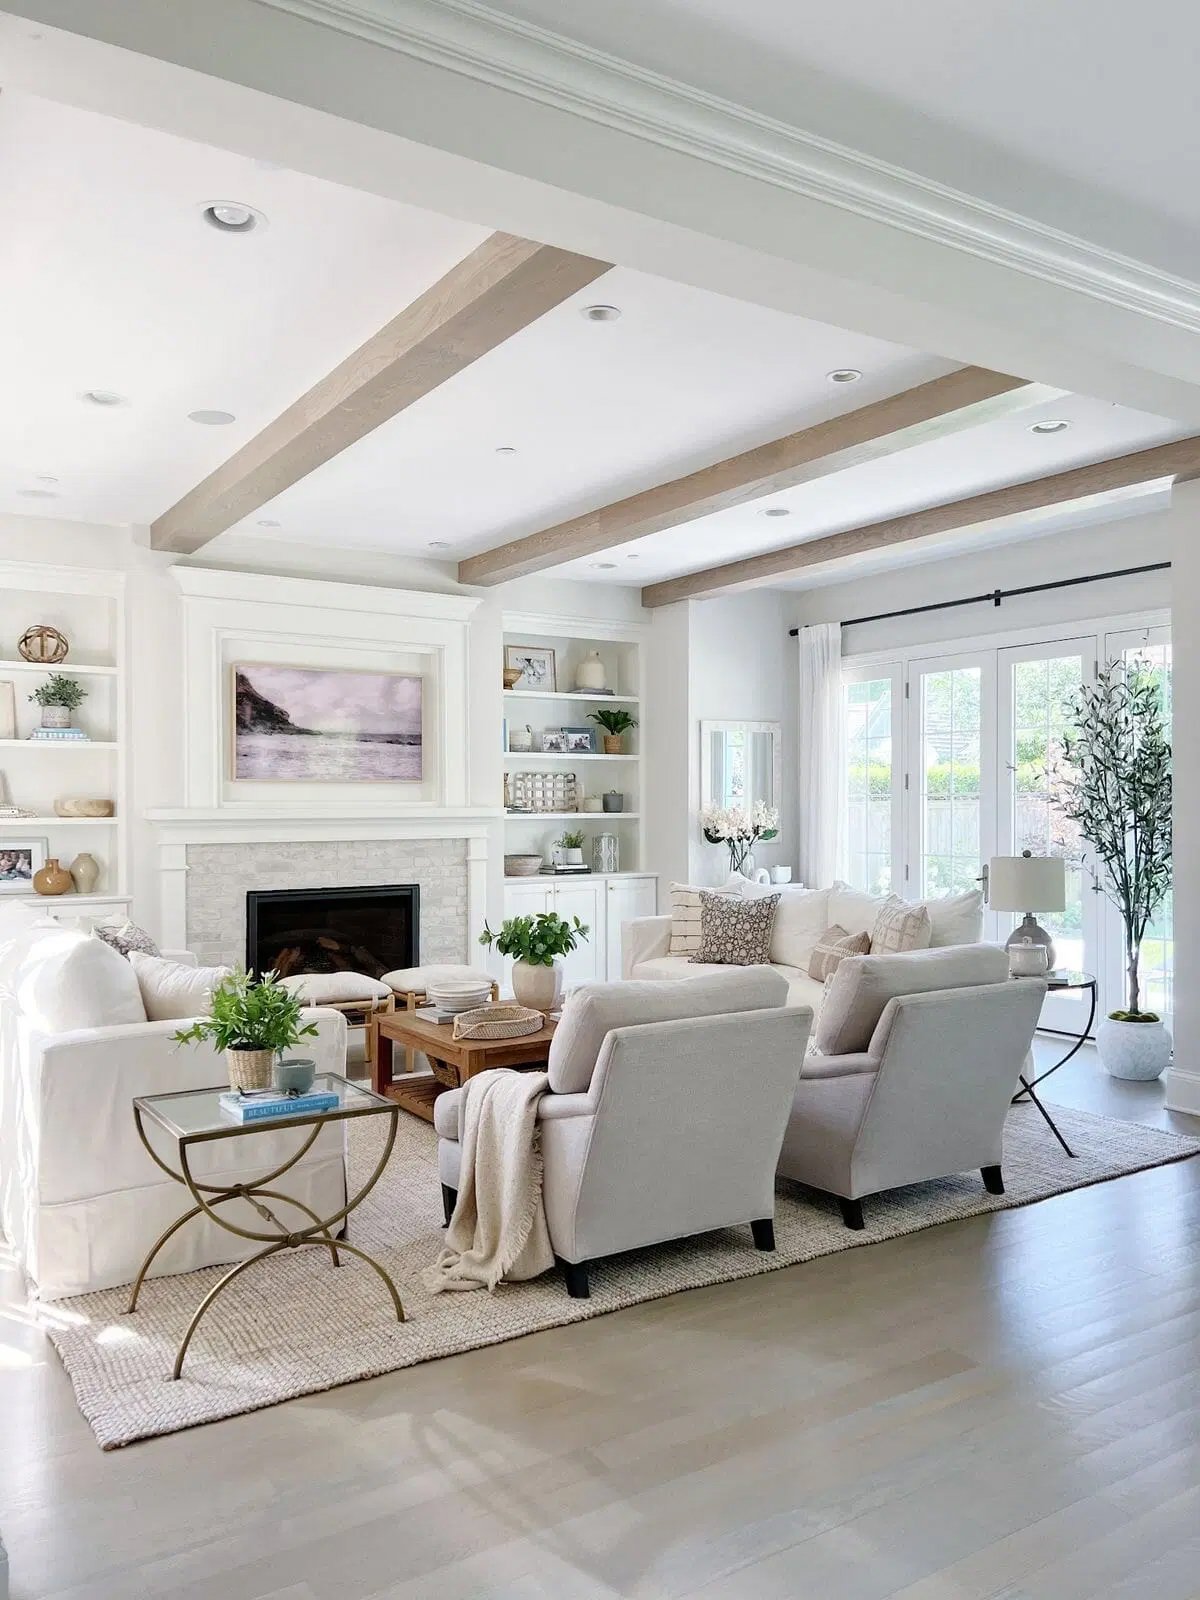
{"x":373,"y":929}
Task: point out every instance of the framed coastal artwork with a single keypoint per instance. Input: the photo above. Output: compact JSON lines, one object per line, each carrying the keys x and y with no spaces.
{"x":325,"y":725}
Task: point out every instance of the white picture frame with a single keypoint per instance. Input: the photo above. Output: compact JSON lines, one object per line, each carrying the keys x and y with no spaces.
{"x":17,"y":877}
{"x":538,"y":664}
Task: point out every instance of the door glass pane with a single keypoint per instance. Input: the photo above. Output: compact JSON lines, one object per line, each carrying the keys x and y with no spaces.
{"x":950,"y":786}
{"x":869,"y":785}
{"x":1039,"y":693}
{"x":1157,"y":962}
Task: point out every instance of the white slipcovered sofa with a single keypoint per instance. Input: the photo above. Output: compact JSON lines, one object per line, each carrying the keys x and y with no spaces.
{"x":80,"y":1200}
{"x":802,"y":917}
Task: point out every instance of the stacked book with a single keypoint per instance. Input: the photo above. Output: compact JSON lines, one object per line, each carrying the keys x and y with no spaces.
{"x":60,"y":735}
{"x":260,"y":1105}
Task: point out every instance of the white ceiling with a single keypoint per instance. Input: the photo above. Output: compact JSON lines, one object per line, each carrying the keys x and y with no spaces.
{"x":1079,"y":112}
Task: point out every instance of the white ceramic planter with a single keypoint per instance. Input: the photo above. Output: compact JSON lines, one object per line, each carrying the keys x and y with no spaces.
{"x":56,"y":716}
{"x":539,"y":988}
{"x":1136,"y":1050}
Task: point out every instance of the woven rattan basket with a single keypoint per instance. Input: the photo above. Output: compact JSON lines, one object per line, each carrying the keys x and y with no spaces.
{"x":497,"y":1022}
{"x":250,"y":1069}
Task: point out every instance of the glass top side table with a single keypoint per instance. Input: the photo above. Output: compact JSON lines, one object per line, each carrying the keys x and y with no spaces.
{"x":1062,"y":978}
{"x":192,"y":1117}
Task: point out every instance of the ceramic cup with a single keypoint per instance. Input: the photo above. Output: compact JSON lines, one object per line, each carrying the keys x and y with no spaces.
{"x":295,"y":1076}
{"x":781,"y":874}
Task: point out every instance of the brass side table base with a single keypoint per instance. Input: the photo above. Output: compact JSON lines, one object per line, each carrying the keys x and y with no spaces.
{"x":192,"y":1106}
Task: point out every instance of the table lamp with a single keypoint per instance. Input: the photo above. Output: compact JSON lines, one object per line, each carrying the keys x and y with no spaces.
{"x":1028,"y":883}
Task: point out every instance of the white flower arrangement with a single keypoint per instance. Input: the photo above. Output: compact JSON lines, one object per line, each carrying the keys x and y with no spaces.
{"x":738,"y":829}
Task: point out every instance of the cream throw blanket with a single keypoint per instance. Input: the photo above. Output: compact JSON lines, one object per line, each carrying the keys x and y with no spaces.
{"x":498,"y":1230}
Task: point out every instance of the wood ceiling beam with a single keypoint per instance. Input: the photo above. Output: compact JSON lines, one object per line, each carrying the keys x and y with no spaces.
{"x":962,"y":399}
{"x":1179,"y":460}
{"x":490,"y":295}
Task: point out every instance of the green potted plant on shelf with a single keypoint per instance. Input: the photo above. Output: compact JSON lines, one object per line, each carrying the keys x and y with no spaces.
{"x":58,"y":697}
{"x":537,"y":945}
{"x":253,"y":1020}
{"x":614,"y":722}
{"x":571,"y":845}
{"x":1115,"y":777}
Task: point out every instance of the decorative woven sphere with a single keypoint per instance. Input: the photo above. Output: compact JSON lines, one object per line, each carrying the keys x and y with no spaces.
{"x":43,"y":644}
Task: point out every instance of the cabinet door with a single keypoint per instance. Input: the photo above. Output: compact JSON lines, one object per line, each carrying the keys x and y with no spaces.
{"x":627,"y":898}
{"x":585,"y":964}
{"x":524,"y":900}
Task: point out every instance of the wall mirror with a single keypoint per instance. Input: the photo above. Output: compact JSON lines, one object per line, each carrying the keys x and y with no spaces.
{"x":740,"y":764}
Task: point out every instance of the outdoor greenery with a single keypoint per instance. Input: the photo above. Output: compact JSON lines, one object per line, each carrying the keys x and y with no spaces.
{"x":614,"y":721}
{"x":538,"y":940}
{"x":1116,"y":789}
{"x":250,"y":1013}
{"x":59,"y":690}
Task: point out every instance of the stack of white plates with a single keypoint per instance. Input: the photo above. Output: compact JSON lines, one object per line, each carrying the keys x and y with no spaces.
{"x":459,"y":994}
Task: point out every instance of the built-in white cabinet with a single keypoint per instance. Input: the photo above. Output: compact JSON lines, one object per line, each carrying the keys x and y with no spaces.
{"x":603,"y":903}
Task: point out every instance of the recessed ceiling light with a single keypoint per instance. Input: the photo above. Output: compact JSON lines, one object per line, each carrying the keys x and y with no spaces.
{"x":844,"y":375}
{"x":103,"y":397}
{"x":601,"y":313}
{"x":1052,"y":425}
{"x":44,"y":477}
{"x":776,"y":511}
{"x":267,"y":522}
{"x":231,"y":216}
{"x":506,"y":449}
{"x":604,"y":566}
{"x":212,"y":419}
{"x":634,"y":557}
{"x":39,"y":494}
{"x":439,"y":544}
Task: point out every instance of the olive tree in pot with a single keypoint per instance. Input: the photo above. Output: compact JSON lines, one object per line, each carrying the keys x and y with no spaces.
{"x":537,"y":945}
{"x":253,"y":1020}
{"x":1116,"y":780}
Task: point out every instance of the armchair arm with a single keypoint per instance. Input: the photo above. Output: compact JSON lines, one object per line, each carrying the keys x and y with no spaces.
{"x":817,"y":1067}
{"x":642,"y":940}
{"x":559,"y":1107}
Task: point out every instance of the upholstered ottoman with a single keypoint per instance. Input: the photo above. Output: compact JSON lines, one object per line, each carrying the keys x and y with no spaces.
{"x":359,"y":998}
{"x":410,"y":987}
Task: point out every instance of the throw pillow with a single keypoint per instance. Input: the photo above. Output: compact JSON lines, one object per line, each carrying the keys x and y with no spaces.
{"x":735,"y":932}
{"x":171,"y":990}
{"x":832,"y":948}
{"x":69,"y":980}
{"x":126,"y":936}
{"x":685,"y":915}
{"x":899,"y":927}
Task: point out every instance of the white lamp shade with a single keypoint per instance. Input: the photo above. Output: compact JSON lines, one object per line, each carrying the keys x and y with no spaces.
{"x":1027,"y":883}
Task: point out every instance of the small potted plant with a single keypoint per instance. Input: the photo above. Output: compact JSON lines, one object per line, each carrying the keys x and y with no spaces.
{"x":58,"y":697}
{"x":571,"y":845}
{"x":253,"y":1020}
{"x":537,"y":945}
{"x":614,"y":723}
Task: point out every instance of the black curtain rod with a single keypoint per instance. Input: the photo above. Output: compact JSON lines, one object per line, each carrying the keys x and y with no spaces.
{"x":995,"y":596}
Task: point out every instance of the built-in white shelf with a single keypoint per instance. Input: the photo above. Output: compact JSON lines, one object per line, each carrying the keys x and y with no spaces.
{"x":57,"y":822}
{"x":58,"y":744}
{"x":71,"y":899}
{"x":572,"y":694}
{"x":541,"y":877}
{"x":569,"y":756}
{"x":70,"y":668}
{"x":571,"y":816}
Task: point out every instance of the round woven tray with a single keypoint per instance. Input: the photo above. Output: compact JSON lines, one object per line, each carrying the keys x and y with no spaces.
{"x":497,"y":1022}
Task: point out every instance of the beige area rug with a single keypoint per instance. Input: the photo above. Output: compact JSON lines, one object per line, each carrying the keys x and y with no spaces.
{"x":296,"y":1325}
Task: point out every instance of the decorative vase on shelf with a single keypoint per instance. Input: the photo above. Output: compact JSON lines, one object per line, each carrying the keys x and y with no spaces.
{"x":538,"y":987}
{"x":590,"y":676}
{"x":52,"y":878}
{"x":85,"y":872}
{"x":1139,"y":1051}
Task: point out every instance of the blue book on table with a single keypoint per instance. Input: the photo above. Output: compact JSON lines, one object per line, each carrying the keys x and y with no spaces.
{"x":263,"y":1106}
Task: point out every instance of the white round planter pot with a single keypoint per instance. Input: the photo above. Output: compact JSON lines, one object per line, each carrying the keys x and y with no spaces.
{"x":1136,"y":1050}
{"x":539,"y":988}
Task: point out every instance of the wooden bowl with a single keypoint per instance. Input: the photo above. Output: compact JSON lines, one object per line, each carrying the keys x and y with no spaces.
{"x":72,"y":806}
{"x":512,"y":676}
{"x":522,"y":866}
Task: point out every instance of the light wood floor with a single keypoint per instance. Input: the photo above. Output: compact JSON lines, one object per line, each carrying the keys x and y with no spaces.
{"x":1007,"y":1406}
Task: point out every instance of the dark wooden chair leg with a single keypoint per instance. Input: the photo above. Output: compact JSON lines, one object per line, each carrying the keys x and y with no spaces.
{"x":993,"y":1181}
{"x":764,"y":1233}
{"x":852,"y":1213}
{"x":449,"y":1201}
{"x":576,"y":1274}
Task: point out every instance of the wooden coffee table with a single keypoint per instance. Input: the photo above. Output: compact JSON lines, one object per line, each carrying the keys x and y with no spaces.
{"x":452,"y":1060}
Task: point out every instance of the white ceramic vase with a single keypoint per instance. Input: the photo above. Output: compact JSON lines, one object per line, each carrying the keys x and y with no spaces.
{"x":589,"y":674}
{"x":538,"y":987}
{"x":1136,"y":1050}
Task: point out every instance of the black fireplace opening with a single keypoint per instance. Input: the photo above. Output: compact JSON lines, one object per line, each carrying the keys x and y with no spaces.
{"x":372,"y":930}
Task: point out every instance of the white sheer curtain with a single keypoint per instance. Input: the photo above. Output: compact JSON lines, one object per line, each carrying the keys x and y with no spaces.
{"x":819,"y":752}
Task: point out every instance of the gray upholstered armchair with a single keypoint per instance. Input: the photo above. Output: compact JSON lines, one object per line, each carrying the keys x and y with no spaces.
{"x":665,"y":1113}
{"x":917,"y":1059}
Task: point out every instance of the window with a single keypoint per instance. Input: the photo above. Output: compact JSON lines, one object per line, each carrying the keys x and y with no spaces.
{"x":869,"y":708}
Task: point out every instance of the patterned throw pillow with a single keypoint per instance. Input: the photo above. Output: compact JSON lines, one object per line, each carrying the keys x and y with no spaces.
{"x":735,"y":932}
{"x":126,"y":936}
{"x":685,"y":918}
{"x":899,"y":927}
{"x":834,"y":945}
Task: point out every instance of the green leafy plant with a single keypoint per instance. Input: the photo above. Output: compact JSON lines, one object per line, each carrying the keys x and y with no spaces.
{"x":250,"y":1013}
{"x":539,"y":940}
{"x":59,"y":690}
{"x":1116,"y":788}
{"x":614,"y":721}
{"x":571,"y":840}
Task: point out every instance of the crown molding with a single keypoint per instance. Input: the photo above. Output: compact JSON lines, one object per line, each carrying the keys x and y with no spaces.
{"x":468,"y":38}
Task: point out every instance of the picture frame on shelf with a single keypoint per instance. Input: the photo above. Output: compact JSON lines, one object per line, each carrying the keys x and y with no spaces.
{"x":19,"y":860}
{"x":554,"y":741}
{"x":538,"y":665}
{"x":580,"y":741}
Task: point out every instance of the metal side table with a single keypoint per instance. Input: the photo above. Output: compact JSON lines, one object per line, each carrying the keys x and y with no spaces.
{"x":1028,"y":1091}
{"x":193,"y":1116}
